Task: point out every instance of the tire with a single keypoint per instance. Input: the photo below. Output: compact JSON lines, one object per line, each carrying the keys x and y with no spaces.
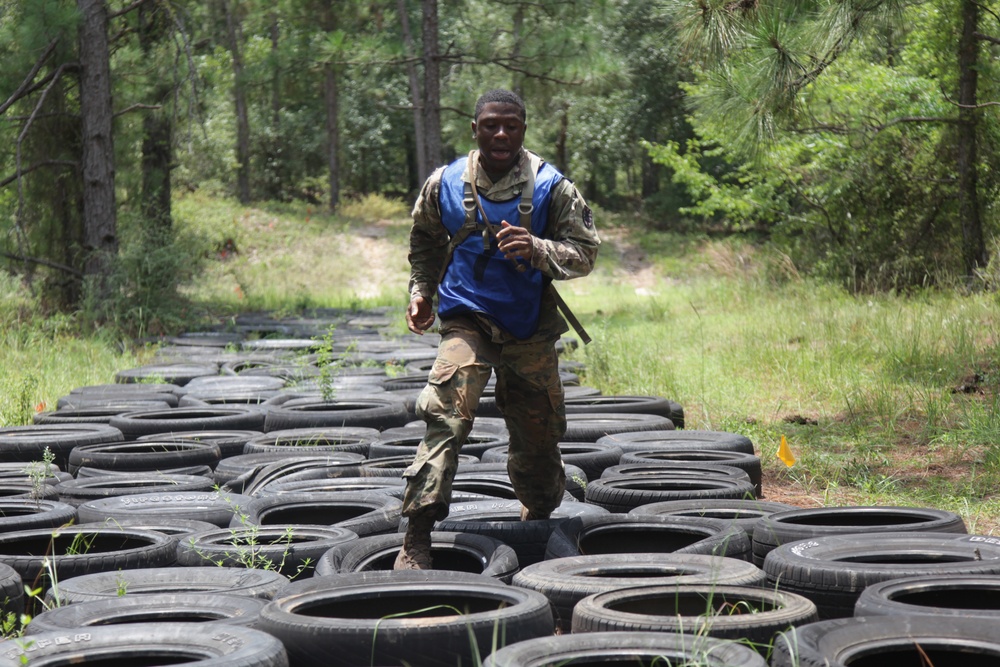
{"x":800,"y":524}
{"x":641,"y":649}
{"x":75,"y":492}
{"x":932,"y":595}
{"x":742,"y":513}
{"x":392,"y":617}
{"x":292,"y":550}
{"x":174,"y":528}
{"x":459,"y":552}
{"x":353,"y":440}
{"x":750,"y":614}
{"x":160,"y":608}
{"x":393,"y":486}
{"x":749,"y":463}
{"x":566,"y":581}
{"x":72,"y":551}
{"x":647,"y":405}
{"x":623,"y":533}
{"x":621,"y":494}
{"x":591,"y":428}
{"x":175,"y":374}
{"x":127,"y":391}
{"x":665,"y":468}
{"x":591,"y":458}
{"x":140,"y":402}
{"x":27,"y":491}
{"x":144,"y":456}
{"x":888,"y":640}
{"x":364,"y":513}
{"x":27,"y":514}
{"x":216,"y":508}
{"x":147,"y":644}
{"x":191,"y":471}
{"x":370,"y":413}
{"x":500,"y":519}
{"x":669,"y":439}
{"x":177,"y":420}
{"x":245,"y":465}
{"x":27,"y":443}
{"x":230,"y":443}
{"x":11,"y":592}
{"x":576,"y":479}
{"x":833,"y":570}
{"x":402,"y":444}
{"x":93,"y":414}
{"x":203,"y":580}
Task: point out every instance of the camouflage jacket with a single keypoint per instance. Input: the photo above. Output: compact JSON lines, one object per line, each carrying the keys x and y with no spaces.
{"x":568,"y":251}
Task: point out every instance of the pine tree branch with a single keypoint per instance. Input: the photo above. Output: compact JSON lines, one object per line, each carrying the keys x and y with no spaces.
{"x":43,"y":262}
{"x":135,"y":107}
{"x":126,"y":10}
{"x":38,"y":165}
{"x":986,"y":38}
{"x":23,"y":89}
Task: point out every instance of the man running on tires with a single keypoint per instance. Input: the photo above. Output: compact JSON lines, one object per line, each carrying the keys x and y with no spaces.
{"x":496,"y":311}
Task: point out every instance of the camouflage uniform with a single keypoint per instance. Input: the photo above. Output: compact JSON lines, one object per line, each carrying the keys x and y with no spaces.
{"x":528,"y":389}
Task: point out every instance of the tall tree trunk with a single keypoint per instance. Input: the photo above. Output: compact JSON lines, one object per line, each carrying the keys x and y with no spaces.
{"x":100,"y":235}
{"x":233,"y":36}
{"x":415,"y":93}
{"x":331,"y":98}
{"x":562,"y":153}
{"x":432,"y":86}
{"x":157,"y":130}
{"x":517,"y":31}
{"x":973,"y":248}
{"x":275,"y":30}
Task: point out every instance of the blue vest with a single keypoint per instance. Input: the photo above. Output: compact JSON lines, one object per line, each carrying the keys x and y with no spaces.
{"x":482,"y":280}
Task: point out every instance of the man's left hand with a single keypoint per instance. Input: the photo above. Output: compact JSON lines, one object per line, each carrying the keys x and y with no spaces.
{"x":514,"y":241}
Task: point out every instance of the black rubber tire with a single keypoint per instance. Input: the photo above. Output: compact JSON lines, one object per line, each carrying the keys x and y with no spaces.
{"x":160,"y":608}
{"x":622,"y":494}
{"x":87,"y":472}
{"x":941,"y":641}
{"x":140,"y":402}
{"x":11,"y":592}
{"x":364,"y":513}
{"x":800,"y":524}
{"x":292,"y":550}
{"x":686,"y":439}
{"x":175,"y":528}
{"x":591,"y":458}
{"x":204,"y":580}
{"x":591,"y":428}
{"x":238,"y":466}
{"x":393,"y":486}
{"x":115,"y":391}
{"x":71,"y":551}
{"x":566,"y":581}
{"x":93,"y":414}
{"x":692,"y":469}
{"x":749,"y":463}
{"x":459,"y":552}
{"x":230,"y":442}
{"x":176,"y":374}
{"x":26,"y":514}
{"x":374,"y":413}
{"x":638,"y":649}
{"x":148,"y":644}
{"x":501,"y":520}
{"x":27,"y":491}
{"x":647,"y":405}
{"x":355,"y":440}
{"x":624,"y":533}
{"x":27,"y":443}
{"x":743,"y":513}
{"x":750,"y":614}
{"x":380,"y":618}
{"x":216,"y":508}
{"x":932,"y":595}
{"x":144,"y":456}
{"x":177,"y":420}
{"x":576,"y":479}
{"x":488,"y":485}
{"x":833,"y":570}
{"x":20,"y":473}
{"x":400,"y":443}
{"x":75,"y":492}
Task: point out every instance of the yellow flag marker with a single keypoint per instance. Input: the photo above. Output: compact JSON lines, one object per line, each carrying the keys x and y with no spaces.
{"x":785,"y":453}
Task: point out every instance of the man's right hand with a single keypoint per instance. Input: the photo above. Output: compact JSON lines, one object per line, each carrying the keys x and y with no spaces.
{"x":420,"y":315}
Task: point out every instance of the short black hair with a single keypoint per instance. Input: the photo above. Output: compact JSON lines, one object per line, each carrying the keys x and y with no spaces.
{"x":501,"y":96}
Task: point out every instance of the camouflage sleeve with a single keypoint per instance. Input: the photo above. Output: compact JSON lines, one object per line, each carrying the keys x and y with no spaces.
{"x":428,"y":240}
{"x":570,"y":249}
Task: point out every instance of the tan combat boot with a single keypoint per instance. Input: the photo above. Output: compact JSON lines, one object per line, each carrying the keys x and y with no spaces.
{"x":416,"y":551}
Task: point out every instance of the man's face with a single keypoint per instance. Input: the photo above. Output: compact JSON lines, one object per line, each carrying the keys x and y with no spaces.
{"x":499,"y":132}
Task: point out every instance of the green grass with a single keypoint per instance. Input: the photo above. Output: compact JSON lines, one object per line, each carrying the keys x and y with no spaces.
{"x":861,"y":386}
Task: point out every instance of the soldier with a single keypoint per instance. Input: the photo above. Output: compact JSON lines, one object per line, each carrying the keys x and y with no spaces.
{"x":490,"y":232}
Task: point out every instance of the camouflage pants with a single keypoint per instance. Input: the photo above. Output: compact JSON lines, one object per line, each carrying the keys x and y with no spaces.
{"x":529,"y":394}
